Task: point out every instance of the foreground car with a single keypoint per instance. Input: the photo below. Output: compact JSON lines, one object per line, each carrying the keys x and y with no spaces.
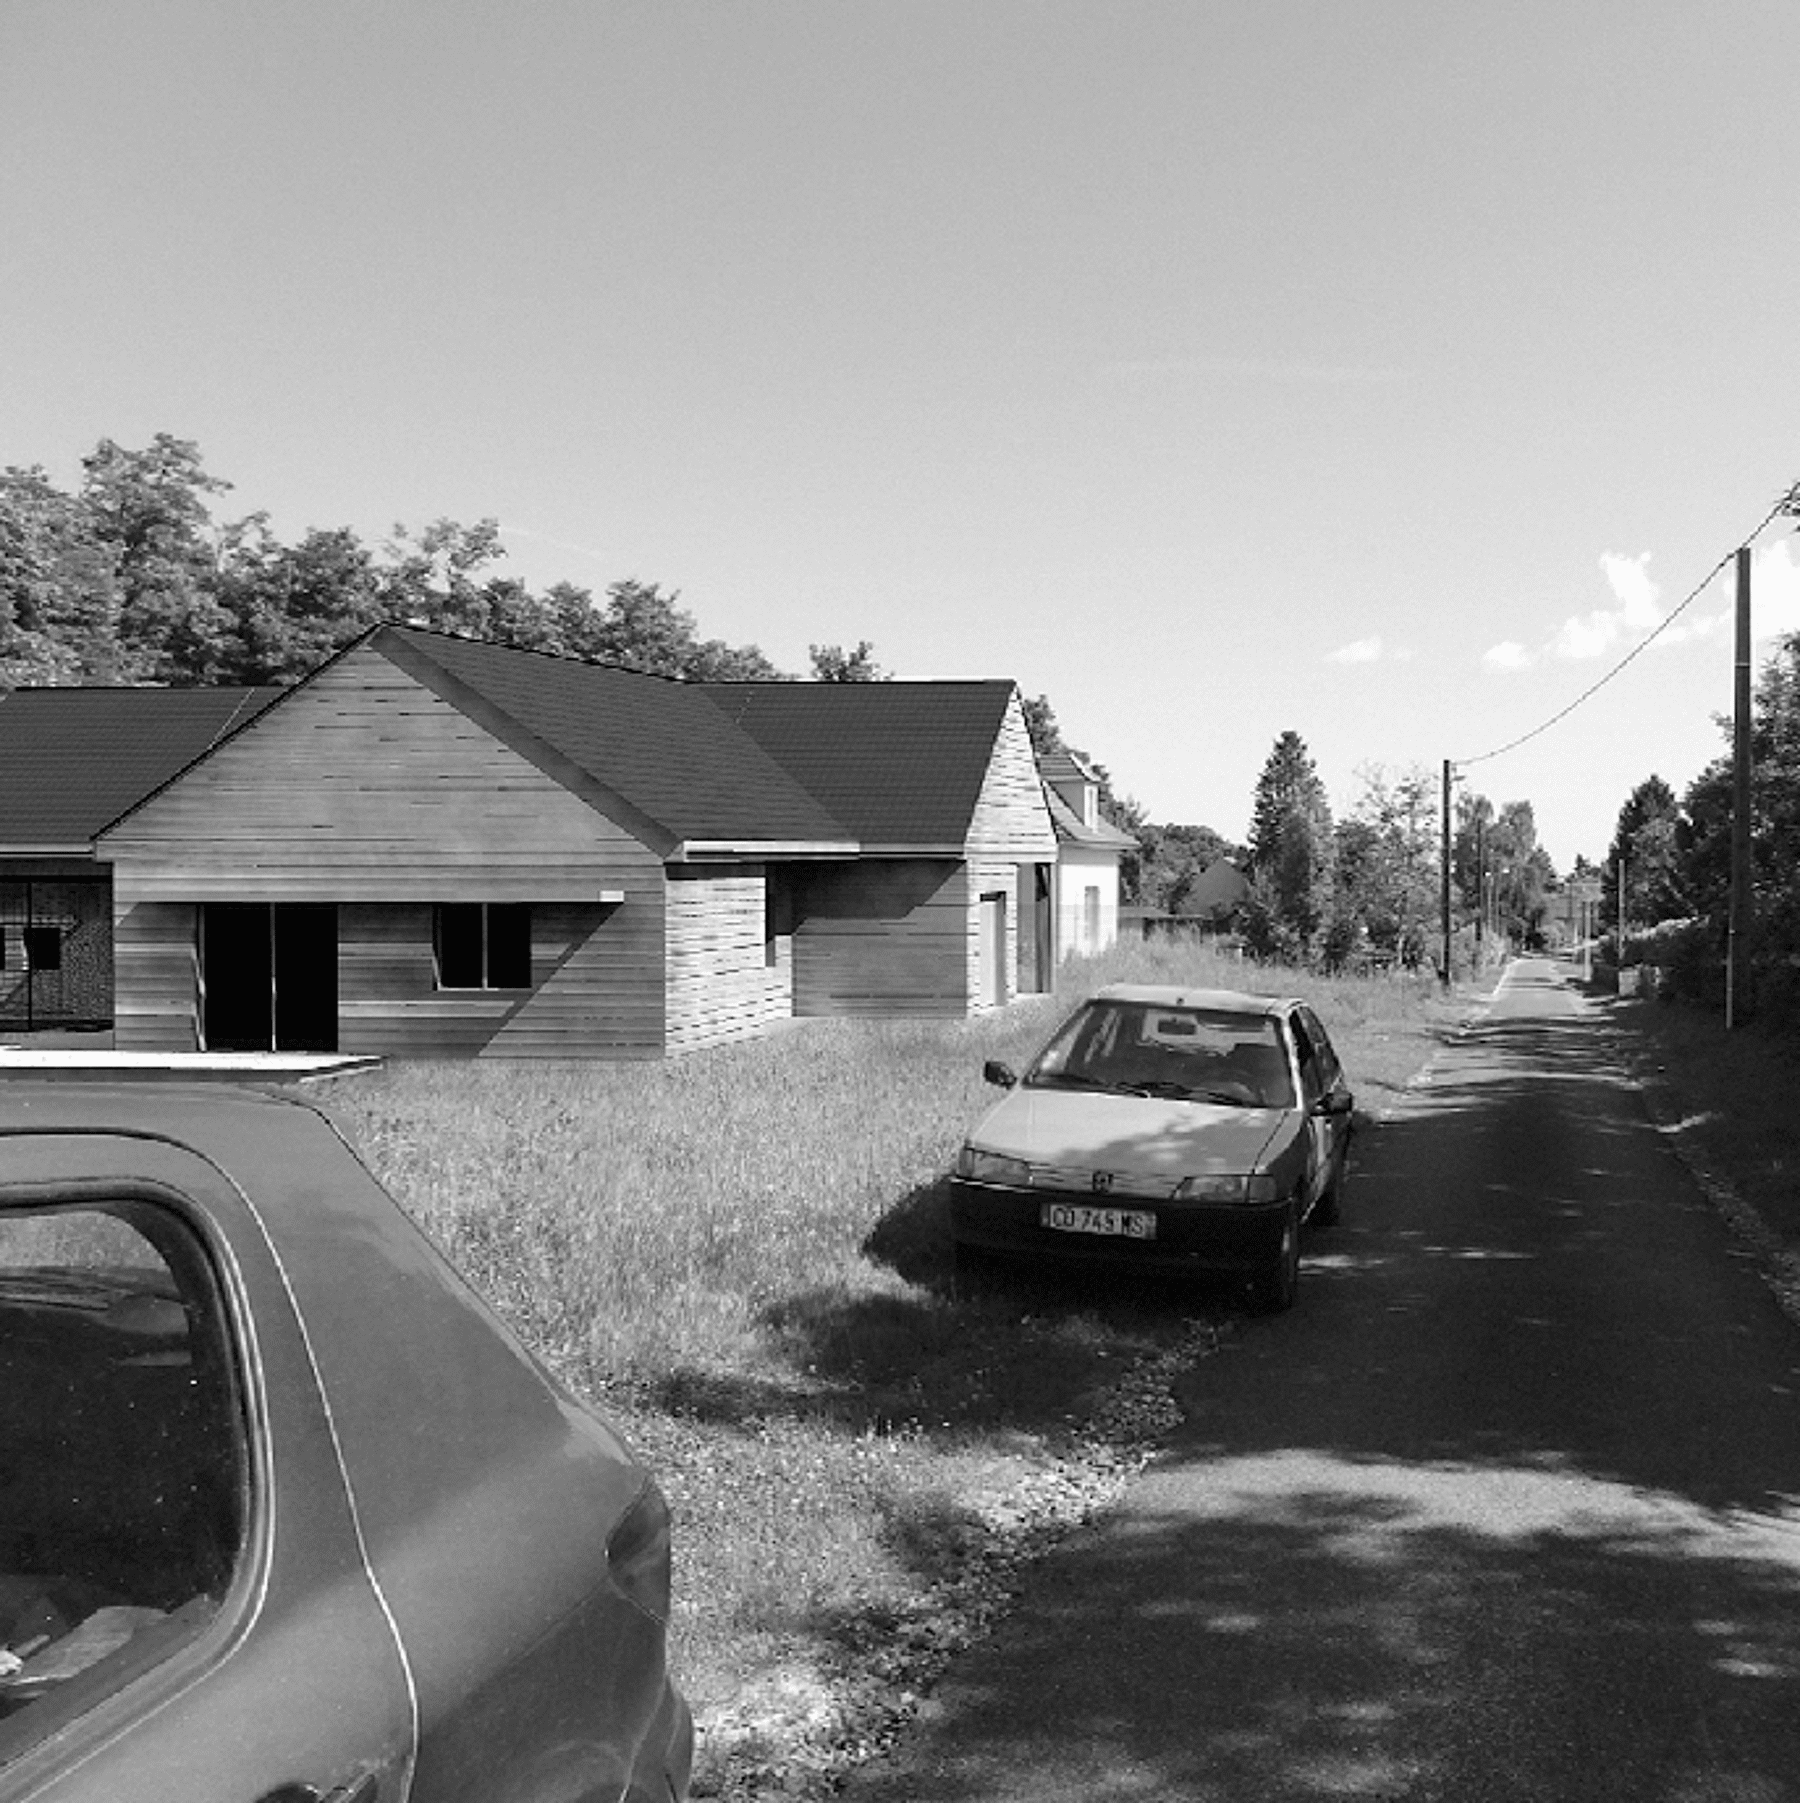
{"x":285,"y":1513}
{"x":1164,"y":1129}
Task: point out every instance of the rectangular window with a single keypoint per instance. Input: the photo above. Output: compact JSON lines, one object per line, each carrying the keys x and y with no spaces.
{"x":482,"y":945}
{"x":43,"y":948}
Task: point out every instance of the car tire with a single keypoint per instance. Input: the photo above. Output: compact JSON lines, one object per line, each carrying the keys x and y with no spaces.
{"x":1275,"y":1286}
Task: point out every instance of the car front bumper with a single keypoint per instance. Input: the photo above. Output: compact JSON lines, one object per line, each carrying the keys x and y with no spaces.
{"x":1189,"y":1236}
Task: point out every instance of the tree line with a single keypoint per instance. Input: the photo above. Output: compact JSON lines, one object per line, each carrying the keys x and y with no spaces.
{"x":129,"y":578}
{"x":1368,"y":888}
{"x":1666,"y":883}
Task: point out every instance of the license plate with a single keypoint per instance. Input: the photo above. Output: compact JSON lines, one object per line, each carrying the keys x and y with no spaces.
{"x":1079,"y":1217}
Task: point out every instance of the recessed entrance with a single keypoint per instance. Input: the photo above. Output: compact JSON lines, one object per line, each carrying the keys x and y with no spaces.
{"x":268,"y":976}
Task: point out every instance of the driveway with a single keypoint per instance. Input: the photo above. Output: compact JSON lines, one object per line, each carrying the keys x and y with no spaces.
{"x":1507,"y":1508}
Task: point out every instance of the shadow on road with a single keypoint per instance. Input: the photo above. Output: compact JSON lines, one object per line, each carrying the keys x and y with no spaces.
{"x":1509,"y":1507}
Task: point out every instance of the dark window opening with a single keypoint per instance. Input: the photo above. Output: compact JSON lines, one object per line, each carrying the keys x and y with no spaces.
{"x":43,"y":948}
{"x":269,"y":976}
{"x":778,"y":912}
{"x":482,"y":945}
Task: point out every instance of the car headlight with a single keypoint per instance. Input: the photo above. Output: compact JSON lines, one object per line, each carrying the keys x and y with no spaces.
{"x":992,"y":1167}
{"x":1258,"y":1188}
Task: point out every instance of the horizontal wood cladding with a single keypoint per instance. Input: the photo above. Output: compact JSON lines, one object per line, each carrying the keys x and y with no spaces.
{"x":883,"y":937}
{"x":1011,"y":818}
{"x":721,"y":985}
{"x":362,"y":785}
{"x":596,"y":975}
{"x":597,"y":984}
{"x":156,"y":977}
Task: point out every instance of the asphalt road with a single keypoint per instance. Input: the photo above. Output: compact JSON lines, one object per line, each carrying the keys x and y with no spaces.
{"x":1507,"y":1508}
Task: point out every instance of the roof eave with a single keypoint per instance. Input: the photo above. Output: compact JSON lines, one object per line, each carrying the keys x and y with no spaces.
{"x":700,"y":851}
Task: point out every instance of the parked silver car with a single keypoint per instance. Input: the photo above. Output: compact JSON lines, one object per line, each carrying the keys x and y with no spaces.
{"x":1164,"y":1129}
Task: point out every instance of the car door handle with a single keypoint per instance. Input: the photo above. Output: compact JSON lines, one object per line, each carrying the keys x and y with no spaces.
{"x":360,"y":1790}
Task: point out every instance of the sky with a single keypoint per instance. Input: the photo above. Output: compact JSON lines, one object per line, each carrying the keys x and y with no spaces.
{"x":1380,"y":370}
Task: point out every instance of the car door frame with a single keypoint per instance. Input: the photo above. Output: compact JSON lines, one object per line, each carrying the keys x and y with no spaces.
{"x":221,"y":1719}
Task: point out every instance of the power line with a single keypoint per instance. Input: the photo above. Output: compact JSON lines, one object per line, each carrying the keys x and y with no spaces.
{"x":1789,"y":503}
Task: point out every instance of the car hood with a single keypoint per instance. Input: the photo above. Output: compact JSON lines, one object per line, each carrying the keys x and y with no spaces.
{"x":1150,"y":1135}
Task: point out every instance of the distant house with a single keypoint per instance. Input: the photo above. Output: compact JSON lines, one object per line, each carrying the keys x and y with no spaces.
{"x":1219,"y":888}
{"x":437,"y":847}
{"x":1085,"y":879}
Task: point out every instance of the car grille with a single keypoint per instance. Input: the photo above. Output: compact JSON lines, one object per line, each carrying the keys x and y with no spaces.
{"x":1078,"y":1179}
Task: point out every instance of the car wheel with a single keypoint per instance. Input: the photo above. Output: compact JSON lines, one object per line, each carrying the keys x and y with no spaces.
{"x":1277,"y":1283}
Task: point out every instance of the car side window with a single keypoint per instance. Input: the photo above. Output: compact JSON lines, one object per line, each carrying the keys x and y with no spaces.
{"x":1307,"y":1057}
{"x":123,"y":1459}
{"x":1329,"y":1068}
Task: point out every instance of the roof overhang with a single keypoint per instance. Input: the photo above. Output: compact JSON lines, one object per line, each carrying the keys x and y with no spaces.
{"x":757,"y":851}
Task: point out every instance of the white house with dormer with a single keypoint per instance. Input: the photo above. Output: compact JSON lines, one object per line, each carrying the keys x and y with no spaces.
{"x":1085,"y":880}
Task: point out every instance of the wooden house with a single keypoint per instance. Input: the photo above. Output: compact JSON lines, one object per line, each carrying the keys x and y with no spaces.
{"x":437,"y":847}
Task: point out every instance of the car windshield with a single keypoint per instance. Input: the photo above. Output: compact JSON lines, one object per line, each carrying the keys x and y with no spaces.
{"x":1189,"y":1054}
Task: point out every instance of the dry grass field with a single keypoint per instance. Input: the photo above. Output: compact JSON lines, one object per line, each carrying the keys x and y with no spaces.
{"x":744,"y":1256}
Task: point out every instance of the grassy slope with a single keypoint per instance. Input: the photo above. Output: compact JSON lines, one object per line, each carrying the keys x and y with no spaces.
{"x":744,"y":1255}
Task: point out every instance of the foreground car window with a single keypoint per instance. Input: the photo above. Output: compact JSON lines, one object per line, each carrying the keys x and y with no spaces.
{"x":1194,"y":1054}
{"x":122,"y":1462}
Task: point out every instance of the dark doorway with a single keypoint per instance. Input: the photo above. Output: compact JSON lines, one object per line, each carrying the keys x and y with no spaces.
{"x":268,"y":976}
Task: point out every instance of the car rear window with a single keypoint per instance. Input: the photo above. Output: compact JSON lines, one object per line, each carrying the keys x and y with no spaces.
{"x":1206,"y":1054}
{"x":123,"y":1462}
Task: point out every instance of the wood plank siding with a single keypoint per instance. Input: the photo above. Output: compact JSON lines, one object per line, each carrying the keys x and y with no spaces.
{"x":1010,"y":819}
{"x":884,"y":936}
{"x":364,"y":786}
{"x":156,"y":977}
{"x":365,"y":790}
{"x":727,"y":978}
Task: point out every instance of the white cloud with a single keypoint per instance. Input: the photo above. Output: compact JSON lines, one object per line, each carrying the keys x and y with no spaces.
{"x":1372,"y":650}
{"x":1774,"y":590}
{"x":1509,"y":655}
{"x":1633,"y":617}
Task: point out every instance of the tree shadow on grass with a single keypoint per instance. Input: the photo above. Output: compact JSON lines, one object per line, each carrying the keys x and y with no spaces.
{"x":1025,"y":1350}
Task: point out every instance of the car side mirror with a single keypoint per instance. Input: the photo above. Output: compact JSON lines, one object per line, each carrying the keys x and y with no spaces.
{"x":1337,"y":1101}
{"x":1002,"y":1076}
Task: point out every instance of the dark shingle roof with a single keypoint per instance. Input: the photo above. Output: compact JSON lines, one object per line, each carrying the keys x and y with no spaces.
{"x":658,"y":743}
{"x":900,"y":763}
{"x":1071,"y":831}
{"x":71,"y":760}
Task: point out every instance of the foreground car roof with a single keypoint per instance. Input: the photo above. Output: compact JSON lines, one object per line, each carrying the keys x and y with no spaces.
{"x":1169,"y":995}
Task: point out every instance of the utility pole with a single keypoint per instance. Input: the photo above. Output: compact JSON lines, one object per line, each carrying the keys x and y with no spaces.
{"x":1444,"y":872}
{"x":1737,"y":936}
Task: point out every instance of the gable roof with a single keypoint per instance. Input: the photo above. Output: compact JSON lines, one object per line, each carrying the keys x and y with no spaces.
{"x":656,"y":742}
{"x":1070,"y":829}
{"x":73,"y":759}
{"x":900,"y":763}
{"x":691,"y":768}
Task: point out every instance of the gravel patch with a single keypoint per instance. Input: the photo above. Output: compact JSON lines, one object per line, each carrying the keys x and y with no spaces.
{"x":798,"y":1732}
